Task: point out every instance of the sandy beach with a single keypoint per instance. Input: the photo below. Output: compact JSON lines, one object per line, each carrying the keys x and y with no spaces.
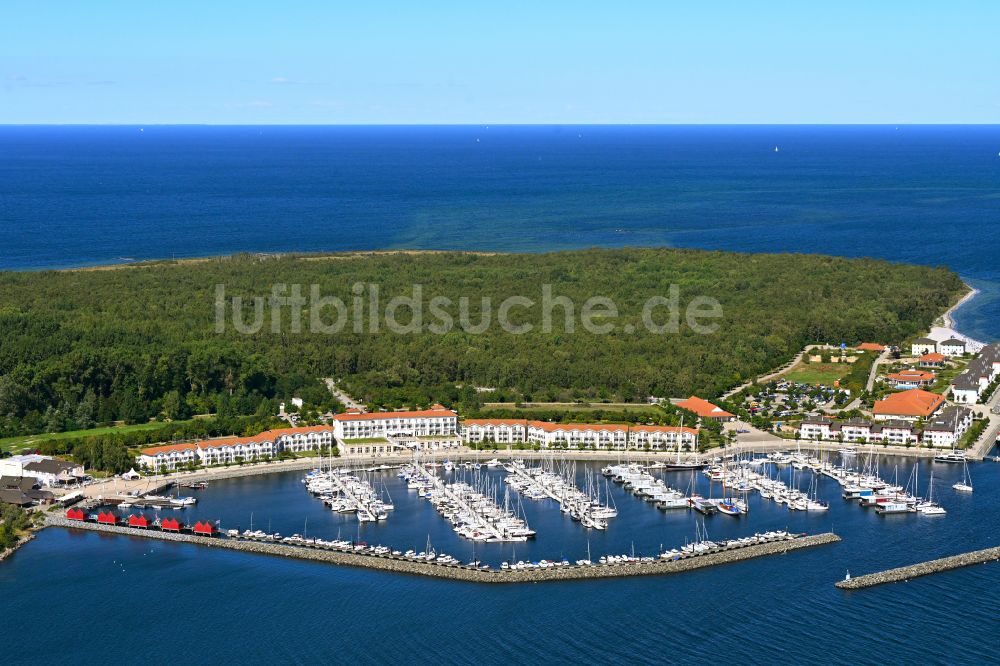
{"x":944,"y":328}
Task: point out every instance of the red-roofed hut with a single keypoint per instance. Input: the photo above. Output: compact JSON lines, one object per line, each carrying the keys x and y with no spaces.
{"x":171,"y":525}
{"x":204,"y":529}
{"x":140,"y":521}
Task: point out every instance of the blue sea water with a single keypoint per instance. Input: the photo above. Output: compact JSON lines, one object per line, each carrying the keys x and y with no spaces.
{"x":67,"y":592}
{"x":72,"y":196}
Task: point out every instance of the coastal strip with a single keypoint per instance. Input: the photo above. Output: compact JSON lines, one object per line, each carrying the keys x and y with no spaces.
{"x":4,"y":554}
{"x":922,"y":569}
{"x":395,"y":564}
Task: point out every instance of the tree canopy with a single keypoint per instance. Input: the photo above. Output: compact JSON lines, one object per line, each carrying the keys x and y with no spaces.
{"x":131,"y":343}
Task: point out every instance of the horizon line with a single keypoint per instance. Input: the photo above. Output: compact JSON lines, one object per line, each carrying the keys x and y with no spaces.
{"x":505,"y":124}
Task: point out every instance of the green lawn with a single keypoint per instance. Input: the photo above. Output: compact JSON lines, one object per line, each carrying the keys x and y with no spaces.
{"x":16,"y":444}
{"x":529,"y":408}
{"x":945,"y":376}
{"x":818,"y":373}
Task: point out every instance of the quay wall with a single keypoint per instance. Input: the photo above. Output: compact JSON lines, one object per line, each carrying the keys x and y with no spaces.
{"x":921,"y":569}
{"x":157,"y":483}
{"x":463,"y":573}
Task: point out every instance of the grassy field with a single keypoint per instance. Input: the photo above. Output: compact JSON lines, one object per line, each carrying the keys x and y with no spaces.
{"x":818,"y":373}
{"x":945,"y":376}
{"x":531,"y":407}
{"x":17,"y":444}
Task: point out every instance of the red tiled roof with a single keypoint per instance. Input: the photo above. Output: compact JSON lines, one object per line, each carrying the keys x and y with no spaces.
{"x":914,"y":403}
{"x":552,"y":427}
{"x":871,"y":346}
{"x":654,"y":428}
{"x":266,"y":436}
{"x":152,"y":451}
{"x":933,"y":357}
{"x":703,"y":408}
{"x":911,"y":376}
{"x":494,"y":422}
{"x":437,"y":411}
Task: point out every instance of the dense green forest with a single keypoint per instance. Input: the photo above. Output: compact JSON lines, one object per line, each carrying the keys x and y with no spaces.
{"x":79,"y":348}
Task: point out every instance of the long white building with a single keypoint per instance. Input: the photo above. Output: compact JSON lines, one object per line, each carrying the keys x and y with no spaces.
{"x":983,"y":370}
{"x":235,"y":449}
{"x":432,"y":428}
{"x":587,"y":435}
{"x":436,"y":421}
{"x":943,"y":430}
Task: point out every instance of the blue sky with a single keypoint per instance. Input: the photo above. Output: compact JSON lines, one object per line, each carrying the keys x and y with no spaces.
{"x":545,"y":61}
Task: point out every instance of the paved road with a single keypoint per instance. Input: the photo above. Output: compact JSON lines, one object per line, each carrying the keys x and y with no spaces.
{"x":346,"y":400}
{"x":989,"y":437}
{"x":882,"y":358}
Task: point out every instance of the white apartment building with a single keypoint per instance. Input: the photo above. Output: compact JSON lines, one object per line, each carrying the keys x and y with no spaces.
{"x":500,"y":431}
{"x":230,"y":450}
{"x":922,"y":346}
{"x":979,"y":374}
{"x":947,"y":428}
{"x":952,"y":347}
{"x":437,"y":420}
{"x":576,"y":435}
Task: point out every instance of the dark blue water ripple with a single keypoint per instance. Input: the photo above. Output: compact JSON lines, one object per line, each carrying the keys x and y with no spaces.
{"x":72,"y":196}
{"x":782,"y":609}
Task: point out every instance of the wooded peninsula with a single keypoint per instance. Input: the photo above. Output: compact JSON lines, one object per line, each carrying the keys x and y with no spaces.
{"x":130,"y":343}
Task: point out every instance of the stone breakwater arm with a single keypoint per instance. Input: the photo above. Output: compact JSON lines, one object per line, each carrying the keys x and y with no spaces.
{"x":463,"y":573}
{"x":921,"y":569}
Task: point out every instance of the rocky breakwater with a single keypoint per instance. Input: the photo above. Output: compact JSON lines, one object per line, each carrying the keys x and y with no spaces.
{"x":922,"y":569}
{"x":400,"y":564}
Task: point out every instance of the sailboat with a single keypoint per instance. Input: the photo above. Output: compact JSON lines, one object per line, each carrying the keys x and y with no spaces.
{"x":930,"y":507}
{"x":965,"y":485}
{"x":813,"y":502}
{"x":683,"y":465}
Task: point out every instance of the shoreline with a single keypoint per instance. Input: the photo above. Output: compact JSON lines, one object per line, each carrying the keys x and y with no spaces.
{"x":945,"y":326}
{"x":151,"y":484}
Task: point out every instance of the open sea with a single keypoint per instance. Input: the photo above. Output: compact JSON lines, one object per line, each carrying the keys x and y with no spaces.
{"x":76,"y":196}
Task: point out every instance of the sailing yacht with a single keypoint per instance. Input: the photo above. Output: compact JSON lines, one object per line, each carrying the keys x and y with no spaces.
{"x":965,"y":485}
{"x":683,"y":465}
{"x":930,"y":507}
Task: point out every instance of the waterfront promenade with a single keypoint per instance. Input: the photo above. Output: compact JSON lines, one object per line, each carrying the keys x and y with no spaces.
{"x":156,"y":483}
{"x":716,"y":556}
